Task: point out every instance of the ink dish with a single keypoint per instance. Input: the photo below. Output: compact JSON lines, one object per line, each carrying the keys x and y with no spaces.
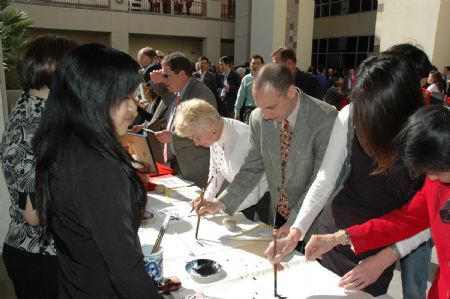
{"x":205,"y":270}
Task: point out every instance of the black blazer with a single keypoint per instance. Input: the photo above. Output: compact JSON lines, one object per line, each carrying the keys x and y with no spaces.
{"x":96,"y":222}
{"x":210,"y":80}
{"x":234,"y":81}
{"x":308,"y":84}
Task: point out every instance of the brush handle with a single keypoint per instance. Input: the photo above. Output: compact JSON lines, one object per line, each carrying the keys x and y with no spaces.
{"x":162,"y":231}
{"x":274,"y":265}
{"x":198,"y":225}
{"x":202,"y":194}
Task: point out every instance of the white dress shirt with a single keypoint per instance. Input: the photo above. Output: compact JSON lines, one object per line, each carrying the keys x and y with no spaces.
{"x":435,"y":92}
{"x":325,"y":181}
{"x":227,"y":156}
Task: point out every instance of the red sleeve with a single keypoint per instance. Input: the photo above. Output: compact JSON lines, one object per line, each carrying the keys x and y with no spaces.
{"x":393,"y":227}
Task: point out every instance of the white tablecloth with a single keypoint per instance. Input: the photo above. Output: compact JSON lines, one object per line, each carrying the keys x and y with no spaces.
{"x":247,"y":273}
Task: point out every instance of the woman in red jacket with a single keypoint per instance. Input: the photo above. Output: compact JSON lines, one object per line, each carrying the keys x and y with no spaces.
{"x":424,"y":147}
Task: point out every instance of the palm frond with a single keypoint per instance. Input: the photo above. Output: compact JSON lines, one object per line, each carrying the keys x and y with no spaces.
{"x":14,"y":32}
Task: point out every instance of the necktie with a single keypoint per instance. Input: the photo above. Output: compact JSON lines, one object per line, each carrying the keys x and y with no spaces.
{"x":286,"y":135}
{"x":170,"y":125}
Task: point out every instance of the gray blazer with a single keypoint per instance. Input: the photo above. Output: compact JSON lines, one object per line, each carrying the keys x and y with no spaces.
{"x":311,"y":133}
{"x":192,"y":160}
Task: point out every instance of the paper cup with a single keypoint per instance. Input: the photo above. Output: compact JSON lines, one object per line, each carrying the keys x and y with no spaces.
{"x":153,"y":262}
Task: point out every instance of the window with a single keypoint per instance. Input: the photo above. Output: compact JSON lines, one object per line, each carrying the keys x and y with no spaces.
{"x":341,"y":52}
{"x":363,"y":44}
{"x":366,"y":5}
{"x":335,"y":9}
{"x":351,"y":44}
{"x":315,"y":46}
{"x":323,"y":45}
{"x":354,"y":6}
{"x":326,"y":8}
{"x":333,"y":45}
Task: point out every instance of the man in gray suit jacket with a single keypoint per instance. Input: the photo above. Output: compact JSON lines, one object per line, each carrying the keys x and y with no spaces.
{"x":175,"y":81}
{"x":311,"y":120}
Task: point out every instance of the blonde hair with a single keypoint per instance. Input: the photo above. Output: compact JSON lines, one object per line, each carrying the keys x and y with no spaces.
{"x":193,"y":114}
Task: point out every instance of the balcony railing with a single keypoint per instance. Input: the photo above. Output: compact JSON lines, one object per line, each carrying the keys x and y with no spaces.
{"x":79,"y":3}
{"x":169,"y":7}
{"x":228,"y":11}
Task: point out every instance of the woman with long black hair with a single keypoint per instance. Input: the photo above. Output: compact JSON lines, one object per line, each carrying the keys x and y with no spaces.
{"x":89,"y":195}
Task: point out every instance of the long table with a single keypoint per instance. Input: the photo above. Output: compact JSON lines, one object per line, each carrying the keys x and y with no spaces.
{"x":246,"y":271}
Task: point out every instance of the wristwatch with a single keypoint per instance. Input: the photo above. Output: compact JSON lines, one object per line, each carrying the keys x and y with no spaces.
{"x":347,"y":240}
{"x":394,"y":248}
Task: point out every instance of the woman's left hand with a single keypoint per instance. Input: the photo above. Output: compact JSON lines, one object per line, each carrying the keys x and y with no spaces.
{"x":321,"y":244}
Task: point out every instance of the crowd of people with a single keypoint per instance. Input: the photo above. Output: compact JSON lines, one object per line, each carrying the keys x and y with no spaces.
{"x":265,"y":139}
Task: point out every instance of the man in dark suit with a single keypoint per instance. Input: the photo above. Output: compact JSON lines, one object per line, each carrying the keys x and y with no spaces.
{"x":174,"y":83}
{"x":205,"y":76}
{"x":349,"y":81}
{"x":305,"y":82}
{"x":229,"y":82}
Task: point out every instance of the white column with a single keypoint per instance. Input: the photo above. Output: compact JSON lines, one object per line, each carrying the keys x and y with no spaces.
{"x":120,"y":31}
{"x":242,"y":32}
{"x":305,"y":33}
{"x":422,"y":23}
{"x":268,"y":27}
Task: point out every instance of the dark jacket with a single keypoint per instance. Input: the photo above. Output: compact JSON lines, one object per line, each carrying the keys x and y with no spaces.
{"x":94,"y":225}
{"x":210,"y":80}
{"x":193,"y":160}
{"x":234,"y":81}
{"x":308,"y":84}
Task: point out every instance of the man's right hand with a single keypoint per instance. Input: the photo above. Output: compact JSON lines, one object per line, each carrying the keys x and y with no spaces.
{"x":207,"y":207}
{"x":284,"y":247}
{"x":156,"y":77}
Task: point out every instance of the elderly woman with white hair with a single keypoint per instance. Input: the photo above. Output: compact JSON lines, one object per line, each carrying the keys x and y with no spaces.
{"x":228,"y":142}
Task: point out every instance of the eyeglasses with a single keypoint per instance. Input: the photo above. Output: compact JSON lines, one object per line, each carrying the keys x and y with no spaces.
{"x":444,"y":212}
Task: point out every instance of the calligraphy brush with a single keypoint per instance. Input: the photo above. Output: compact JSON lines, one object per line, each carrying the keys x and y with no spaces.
{"x":202,"y":194}
{"x":274,"y":265}
{"x":162,"y":231}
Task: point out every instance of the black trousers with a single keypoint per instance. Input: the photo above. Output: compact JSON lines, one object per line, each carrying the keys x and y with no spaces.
{"x":34,"y":275}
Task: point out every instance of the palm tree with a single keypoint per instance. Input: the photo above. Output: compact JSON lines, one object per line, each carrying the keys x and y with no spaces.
{"x":14,"y":27}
